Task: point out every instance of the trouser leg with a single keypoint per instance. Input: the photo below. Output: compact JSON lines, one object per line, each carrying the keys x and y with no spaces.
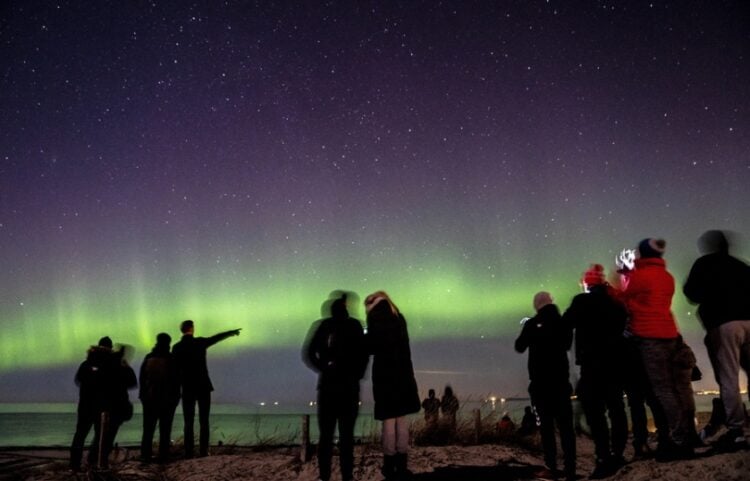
{"x":204,"y":412}
{"x":188,"y":415}
{"x":726,"y":345}
{"x":149,"y":425}
{"x":347,"y":420}
{"x":327,"y":427}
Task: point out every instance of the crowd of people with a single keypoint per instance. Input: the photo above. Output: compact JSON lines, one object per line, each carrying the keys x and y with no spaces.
{"x":626,"y":342}
{"x":166,"y":376}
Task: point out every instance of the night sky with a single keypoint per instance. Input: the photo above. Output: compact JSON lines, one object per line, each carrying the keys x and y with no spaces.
{"x":234,"y":162}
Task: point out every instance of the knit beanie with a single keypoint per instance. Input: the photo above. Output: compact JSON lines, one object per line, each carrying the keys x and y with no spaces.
{"x":542,"y":299}
{"x":652,"y":247}
{"x":594,"y":275}
{"x":105,"y":342}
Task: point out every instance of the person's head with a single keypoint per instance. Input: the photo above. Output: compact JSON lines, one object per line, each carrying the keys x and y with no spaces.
{"x":339,"y":309}
{"x":527,"y":409}
{"x":594,"y":276}
{"x":651,"y":248}
{"x":163,"y":340}
{"x":542,"y":299}
{"x":431,"y":393}
{"x":380,"y":300}
{"x":187,"y":327}
{"x":105,"y":342}
{"x":713,"y":241}
{"x":448,"y":391}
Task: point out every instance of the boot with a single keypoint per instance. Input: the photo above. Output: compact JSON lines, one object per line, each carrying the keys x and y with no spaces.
{"x":402,"y":470}
{"x":389,"y":467}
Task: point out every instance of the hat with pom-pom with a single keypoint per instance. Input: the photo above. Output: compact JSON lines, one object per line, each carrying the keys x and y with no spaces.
{"x":652,"y":248}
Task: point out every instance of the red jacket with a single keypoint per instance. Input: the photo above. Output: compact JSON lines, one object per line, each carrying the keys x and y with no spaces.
{"x":648,"y":298}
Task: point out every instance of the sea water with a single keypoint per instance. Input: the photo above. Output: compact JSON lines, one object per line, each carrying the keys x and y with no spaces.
{"x":53,"y":424}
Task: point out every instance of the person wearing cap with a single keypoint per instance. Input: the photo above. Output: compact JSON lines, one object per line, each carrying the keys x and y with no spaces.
{"x":190,"y":354}
{"x":599,"y":321}
{"x":654,"y":334}
{"x":720,"y":284}
{"x":394,"y":387}
{"x":336,"y":350}
{"x":159,"y":394}
{"x":548,"y":337}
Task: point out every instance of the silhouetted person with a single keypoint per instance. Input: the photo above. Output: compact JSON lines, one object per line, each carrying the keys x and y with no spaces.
{"x":599,"y":322}
{"x":656,"y":339}
{"x":104,"y":379}
{"x":719,"y":283}
{"x":548,"y":338}
{"x":159,"y":394}
{"x":94,"y":376}
{"x":337,"y":351}
{"x":190,"y":354}
{"x":506,"y":426}
{"x":394,"y":387}
{"x":431,"y":407}
{"x":449,"y":408}
{"x":528,"y":422}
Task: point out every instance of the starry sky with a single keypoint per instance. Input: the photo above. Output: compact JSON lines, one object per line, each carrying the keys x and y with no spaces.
{"x":235,"y":162}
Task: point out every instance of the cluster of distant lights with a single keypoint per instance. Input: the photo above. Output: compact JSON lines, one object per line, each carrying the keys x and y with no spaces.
{"x":493,"y":400}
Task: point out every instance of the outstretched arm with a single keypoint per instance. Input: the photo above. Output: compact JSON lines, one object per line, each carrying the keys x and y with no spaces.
{"x":221,"y":336}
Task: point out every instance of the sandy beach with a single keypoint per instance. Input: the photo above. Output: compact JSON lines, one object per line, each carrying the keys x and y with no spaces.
{"x":435,"y":463}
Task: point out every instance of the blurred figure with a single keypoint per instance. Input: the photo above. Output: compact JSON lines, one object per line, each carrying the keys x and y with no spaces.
{"x":394,"y":387}
{"x":528,"y":422}
{"x":449,"y":409}
{"x":506,"y":426}
{"x":159,"y":393}
{"x":431,"y":406}
{"x":656,"y":340}
{"x":190,"y":355}
{"x":599,"y":322}
{"x":719,"y":283}
{"x":104,"y":379}
{"x":336,"y":351}
{"x":548,"y":338}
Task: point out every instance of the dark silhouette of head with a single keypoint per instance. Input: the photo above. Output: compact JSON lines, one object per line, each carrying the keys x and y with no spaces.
{"x":339,"y":309}
{"x":652,"y":248}
{"x":187,"y":327}
{"x":431,"y":393}
{"x":163,"y":339}
{"x":105,"y":342}
{"x":448,"y":391}
{"x":712,"y":242}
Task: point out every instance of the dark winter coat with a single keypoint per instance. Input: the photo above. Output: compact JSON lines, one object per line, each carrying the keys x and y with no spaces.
{"x":190,"y":354}
{"x":394,"y":387}
{"x":548,"y":338}
{"x":337,"y":352}
{"x":720,"y":283}
{"x":103,"y":380}
{"x":96,"y":378}
{"x":599,"y":321}
{"x":159,"y":381}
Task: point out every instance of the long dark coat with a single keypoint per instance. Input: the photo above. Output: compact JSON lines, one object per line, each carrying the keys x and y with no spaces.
{"x":394,"y":387}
